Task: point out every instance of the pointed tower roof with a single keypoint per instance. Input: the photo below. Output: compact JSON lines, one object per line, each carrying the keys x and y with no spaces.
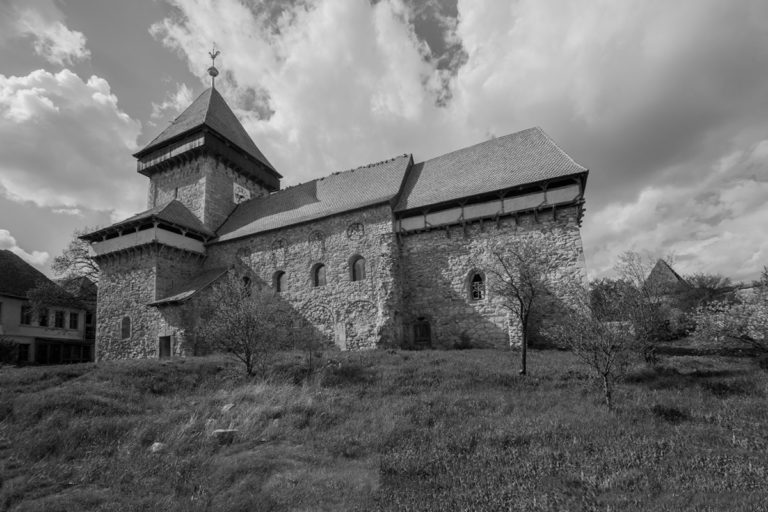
{"x":210,"y":111}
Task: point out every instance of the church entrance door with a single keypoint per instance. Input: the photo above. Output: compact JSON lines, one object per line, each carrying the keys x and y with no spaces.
{"x":165,"y":347}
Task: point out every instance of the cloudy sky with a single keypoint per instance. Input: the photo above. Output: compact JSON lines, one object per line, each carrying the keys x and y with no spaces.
{"x":666,"y":102}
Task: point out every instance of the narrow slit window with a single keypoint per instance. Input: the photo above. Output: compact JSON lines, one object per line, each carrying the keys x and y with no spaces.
{"x":318,"y":275}
{"x":125,"y":328}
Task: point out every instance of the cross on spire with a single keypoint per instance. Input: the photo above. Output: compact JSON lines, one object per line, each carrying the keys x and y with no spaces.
{"x":212,"y":70}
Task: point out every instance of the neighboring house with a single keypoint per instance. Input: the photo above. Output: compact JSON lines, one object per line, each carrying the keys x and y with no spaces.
{"x":663,"y":281}
{"x":390,"y":253}
{"x":52,"y":335}
{"x":85,"y":292}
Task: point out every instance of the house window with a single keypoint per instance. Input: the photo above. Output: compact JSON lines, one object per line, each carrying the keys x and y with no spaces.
{"x":1,"y":313}
{"x":125,"y":328}
{"x":26,"y":315}
{"x":58,"y":319}
{"x":477,"y":286}
{"x":357,"y":268}
{"x":73,"y":320}
{"x":318,"y":275}
{"x":278,"y":281}
{"x":42,"y":318}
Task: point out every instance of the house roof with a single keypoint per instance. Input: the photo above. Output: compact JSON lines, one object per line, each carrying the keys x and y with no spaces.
{"x":17,"y":276}
{"x":524,"y":157}
{"x":173,"y":212}
{"x":662,"y":274}
{"x":186,"y":290}
{"x":209,"y":110}
{"x":365,"y":186}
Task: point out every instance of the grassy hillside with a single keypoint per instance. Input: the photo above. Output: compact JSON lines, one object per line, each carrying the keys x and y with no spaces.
{"x":385,"y":431}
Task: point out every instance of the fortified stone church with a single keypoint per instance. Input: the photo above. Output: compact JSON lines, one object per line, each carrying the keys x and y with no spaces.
{"x":382,"y":255}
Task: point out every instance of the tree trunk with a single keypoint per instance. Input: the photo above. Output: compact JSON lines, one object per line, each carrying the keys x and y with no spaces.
{"x":608,"y":392}
{"x":524,"y":354}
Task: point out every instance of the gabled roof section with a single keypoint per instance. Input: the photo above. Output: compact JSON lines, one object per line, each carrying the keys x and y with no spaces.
{"x":524,"y":157}
{"x":17,"y":276}
{"x":187,"y":290}
{"x":208,"y":110}
{"x":663,"y":277}
{"x":173,"y":212}
{"x":365,"y":186}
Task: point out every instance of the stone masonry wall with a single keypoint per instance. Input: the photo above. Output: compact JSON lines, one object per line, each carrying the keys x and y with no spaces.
{"x":204,"y":185}
{"x":128,"y":282}
{"x":348,"y":314}
{"x":437,"y":268}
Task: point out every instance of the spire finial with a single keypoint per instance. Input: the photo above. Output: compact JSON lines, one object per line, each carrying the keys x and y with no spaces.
{"x":212,"y":70}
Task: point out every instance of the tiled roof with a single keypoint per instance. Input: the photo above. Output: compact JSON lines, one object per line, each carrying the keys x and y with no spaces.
{"x":173,"y":212}
{"x":523,"y":157}
{"x":339,"y":192}
{"x":209,"y":109}
{"x":17,"y":276}
{"x":191,"y":287}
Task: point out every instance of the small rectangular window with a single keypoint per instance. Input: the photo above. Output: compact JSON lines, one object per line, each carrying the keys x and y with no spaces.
{"x":26,"y":315}
{"x":58,"y":319}
{"x":73,"y":320}
{"x":42,"y":318}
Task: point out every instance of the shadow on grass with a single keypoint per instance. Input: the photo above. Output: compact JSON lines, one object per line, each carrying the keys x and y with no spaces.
{"x":721,"y":383}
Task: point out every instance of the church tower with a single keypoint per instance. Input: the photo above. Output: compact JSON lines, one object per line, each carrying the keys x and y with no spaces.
{"x":199,"y":168}
{"x":207,"y":161}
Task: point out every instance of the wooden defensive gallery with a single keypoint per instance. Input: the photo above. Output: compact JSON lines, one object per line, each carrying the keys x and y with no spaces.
{"x":382,"y":255}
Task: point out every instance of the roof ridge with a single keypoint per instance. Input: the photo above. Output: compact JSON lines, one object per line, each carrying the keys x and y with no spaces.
{"x":487,"y":141}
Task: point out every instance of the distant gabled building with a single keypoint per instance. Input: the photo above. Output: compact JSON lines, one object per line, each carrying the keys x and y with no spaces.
{"x":51,"y":335}
{"x":664,"y":281}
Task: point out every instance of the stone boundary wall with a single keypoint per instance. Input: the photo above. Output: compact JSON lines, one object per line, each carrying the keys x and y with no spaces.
{"x":345,"y":313}
{"x":438,"y":266}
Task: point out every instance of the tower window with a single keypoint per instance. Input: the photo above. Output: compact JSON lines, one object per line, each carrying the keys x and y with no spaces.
{"x":357,"y":268}
{"x":278,"y":281}
{"x":318,"y":275}
{"x":125,"y":328}
{"x":477,"y":286}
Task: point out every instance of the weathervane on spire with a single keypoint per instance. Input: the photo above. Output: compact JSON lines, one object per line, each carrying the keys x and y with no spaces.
{"x":212,"y":70}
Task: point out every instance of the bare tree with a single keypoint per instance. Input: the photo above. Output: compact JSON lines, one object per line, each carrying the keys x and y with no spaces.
{"x":605,"y":346}
{"x":76,"y":260}
{"x":244,"y":321}
{"x":521,"y":274}
{"x":642,"y":301}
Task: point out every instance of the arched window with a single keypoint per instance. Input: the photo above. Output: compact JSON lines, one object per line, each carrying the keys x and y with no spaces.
{"x":318,"y":275}
{"x":278,"y":281}
{"x":125,"y":328}
{"x":477,"y":286}
{"x":356,"y":268}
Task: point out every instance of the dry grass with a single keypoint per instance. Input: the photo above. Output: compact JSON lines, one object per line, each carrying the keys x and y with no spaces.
{"x":385,"y":431}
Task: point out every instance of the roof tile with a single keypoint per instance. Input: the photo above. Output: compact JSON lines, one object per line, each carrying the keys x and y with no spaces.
{"x":339,"y":192}
{"x":210,"y":109}
{"x":501,"y":163}
{"x":17,"y":276}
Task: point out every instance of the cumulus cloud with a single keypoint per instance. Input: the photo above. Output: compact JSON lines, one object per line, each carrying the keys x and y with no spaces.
{"x":43,"y":22}
{"x":36,"y":258}
{"x":658,"y":99}
{"x":66,"y":142}
{"x":174,"y":103}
